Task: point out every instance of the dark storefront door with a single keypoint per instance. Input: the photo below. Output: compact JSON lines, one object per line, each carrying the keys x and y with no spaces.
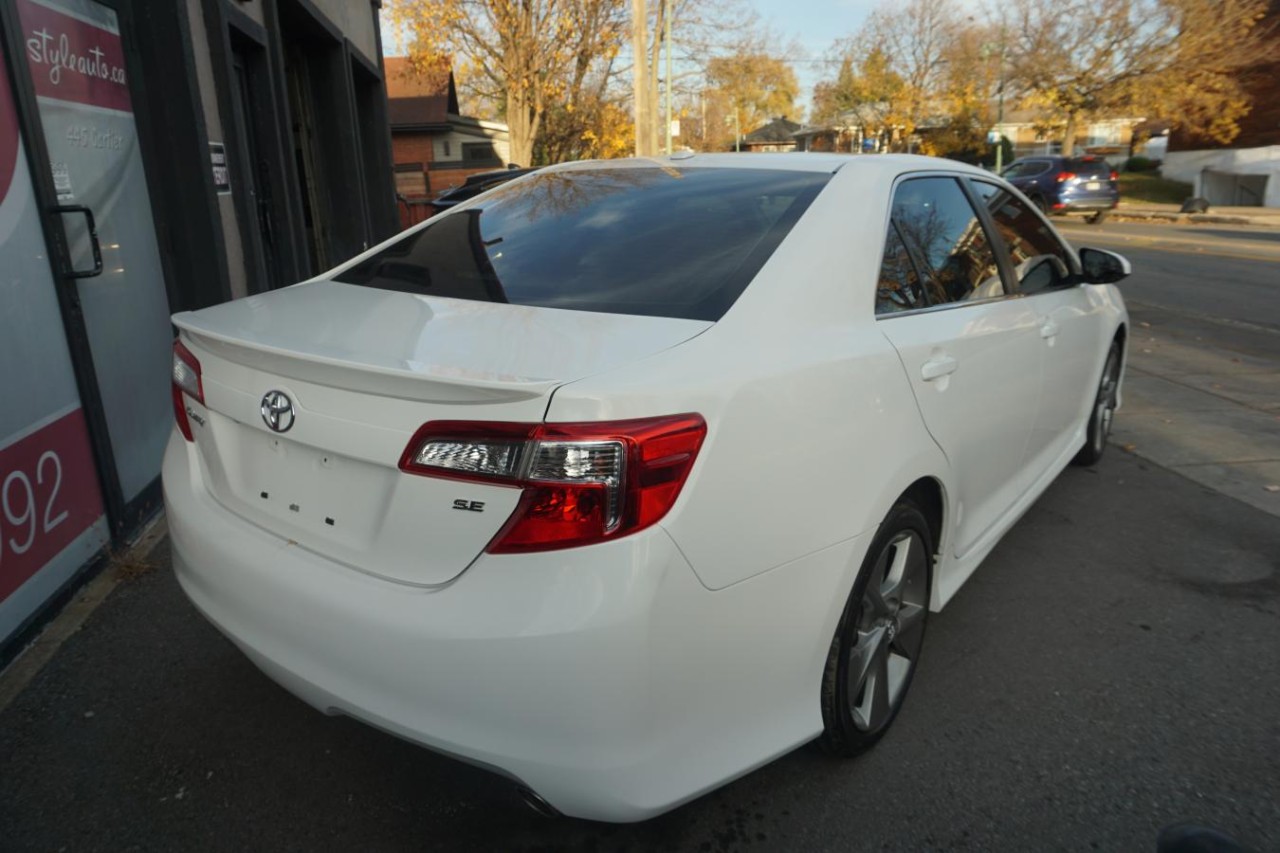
{"x":114,"y":289}
{"x":247,"y":60}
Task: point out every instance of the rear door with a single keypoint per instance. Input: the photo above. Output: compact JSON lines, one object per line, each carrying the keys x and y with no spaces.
{"x":1029,"y":175}
{"x":971,"y":351}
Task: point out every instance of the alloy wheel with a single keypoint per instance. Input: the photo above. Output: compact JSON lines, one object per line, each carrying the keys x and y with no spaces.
{"x":890,"y":631}
{"x":1104,"y":408}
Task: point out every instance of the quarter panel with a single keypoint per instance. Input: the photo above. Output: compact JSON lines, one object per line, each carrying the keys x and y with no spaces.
{"x":805,"y":447}
{"x":813,"y":429}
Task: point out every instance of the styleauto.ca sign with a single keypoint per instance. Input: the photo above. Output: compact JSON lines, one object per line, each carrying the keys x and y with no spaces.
{"x":73,"y":60}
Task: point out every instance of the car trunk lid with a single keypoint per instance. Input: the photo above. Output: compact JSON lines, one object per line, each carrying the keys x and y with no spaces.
{"x":363,"y":369}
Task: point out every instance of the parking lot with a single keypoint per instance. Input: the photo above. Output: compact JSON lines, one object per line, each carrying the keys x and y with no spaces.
{"x":1111,"y":669}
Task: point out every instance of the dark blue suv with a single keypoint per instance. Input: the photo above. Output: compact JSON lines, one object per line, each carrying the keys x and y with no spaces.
{"x":1066,"y":184}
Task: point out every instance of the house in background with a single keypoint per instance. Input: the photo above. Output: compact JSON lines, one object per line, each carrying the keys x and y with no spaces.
{"x":846,"y":134}
{"x":777,"y":135}
{"x":1245,"y":171}
{"x":435,"y":148}
{"x":1110,"y":138}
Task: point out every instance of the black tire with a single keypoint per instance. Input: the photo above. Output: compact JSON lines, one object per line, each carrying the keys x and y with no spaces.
{"x":1041,"y":204}
{"x":1096,"y":218}
{"x":1102,"y":413}
{"x":849,"y":728}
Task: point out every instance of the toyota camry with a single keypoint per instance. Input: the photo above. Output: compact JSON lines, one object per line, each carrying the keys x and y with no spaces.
{"x":625,"y":478}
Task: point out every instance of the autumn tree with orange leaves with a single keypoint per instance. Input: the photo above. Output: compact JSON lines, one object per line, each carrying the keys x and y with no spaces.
{"x":1177,"y":59}
{"x":524,"y":55}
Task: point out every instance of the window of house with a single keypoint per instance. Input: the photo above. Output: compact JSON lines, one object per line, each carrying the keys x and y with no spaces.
{"x":478,"y":152}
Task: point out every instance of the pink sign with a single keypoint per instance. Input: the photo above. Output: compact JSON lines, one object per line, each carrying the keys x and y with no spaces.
{"x":48,"y":496}
{"x":72,"y":59}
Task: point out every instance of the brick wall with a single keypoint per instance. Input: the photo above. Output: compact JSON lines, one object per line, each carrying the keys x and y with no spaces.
{"x":414,"y":148}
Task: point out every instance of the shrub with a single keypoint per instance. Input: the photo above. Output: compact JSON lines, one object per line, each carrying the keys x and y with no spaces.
{"x":1139,"y":164}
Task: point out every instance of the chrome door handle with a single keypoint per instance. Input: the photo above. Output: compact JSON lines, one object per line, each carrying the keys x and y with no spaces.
{"x":94,"y":246}
{"x":1048,"y":329}
{"x":938,"y":367}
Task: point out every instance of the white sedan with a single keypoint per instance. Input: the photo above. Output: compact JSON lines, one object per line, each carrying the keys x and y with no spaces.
{"x":628,"y":477}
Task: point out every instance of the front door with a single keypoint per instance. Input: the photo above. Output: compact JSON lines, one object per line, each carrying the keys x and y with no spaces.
{"x":76,"y":52}
{"x":1069,"y":329}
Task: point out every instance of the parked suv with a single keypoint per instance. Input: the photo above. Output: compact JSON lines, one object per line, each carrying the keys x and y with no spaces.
{"x":474,"y":185}
{"x":1067,"y":184}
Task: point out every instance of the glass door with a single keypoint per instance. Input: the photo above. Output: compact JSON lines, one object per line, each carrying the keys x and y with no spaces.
{"x":51,"y":510}
{"x":76,"y":56}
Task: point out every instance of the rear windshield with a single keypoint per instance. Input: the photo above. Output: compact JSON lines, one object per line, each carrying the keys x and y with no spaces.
{"x":647,"y":240}
{"x":1089,"y":168}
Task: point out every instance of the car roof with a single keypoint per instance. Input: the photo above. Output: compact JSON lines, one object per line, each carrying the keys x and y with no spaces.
{"x":801,"y":161}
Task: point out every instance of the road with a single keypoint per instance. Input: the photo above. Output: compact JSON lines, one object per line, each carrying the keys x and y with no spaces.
{"x":1109,"y":670}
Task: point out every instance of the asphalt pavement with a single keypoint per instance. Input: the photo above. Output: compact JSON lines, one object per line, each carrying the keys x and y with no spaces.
{"x":1110,"y":669}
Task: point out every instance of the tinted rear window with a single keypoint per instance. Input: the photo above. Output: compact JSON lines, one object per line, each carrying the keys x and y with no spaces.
{"x":654,"y":241}
{"x":1089,"y":168}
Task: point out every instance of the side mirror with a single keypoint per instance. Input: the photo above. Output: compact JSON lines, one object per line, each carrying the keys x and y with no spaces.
{"x":1103,"y":267}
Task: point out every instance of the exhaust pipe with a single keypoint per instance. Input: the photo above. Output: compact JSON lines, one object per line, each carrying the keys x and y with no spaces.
{"x":535,"y":802}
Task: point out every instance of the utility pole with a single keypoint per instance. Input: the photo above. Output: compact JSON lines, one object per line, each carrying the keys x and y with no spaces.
{"x":667,"y":44}
{"x":997,"y":132}
{"x":1000,"y":109}
{"x":640,"y":78}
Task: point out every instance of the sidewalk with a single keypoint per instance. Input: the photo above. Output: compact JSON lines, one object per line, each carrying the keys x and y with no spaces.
{"x":1268,"y":217}
{"x":1209,"y":413}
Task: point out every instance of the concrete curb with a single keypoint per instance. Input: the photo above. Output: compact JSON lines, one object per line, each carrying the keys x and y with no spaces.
{"x":1208,"y":218}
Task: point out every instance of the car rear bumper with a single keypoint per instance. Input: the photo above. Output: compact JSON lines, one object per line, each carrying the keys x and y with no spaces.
{"x":1075,"y":205}
{"x":607,"y":679}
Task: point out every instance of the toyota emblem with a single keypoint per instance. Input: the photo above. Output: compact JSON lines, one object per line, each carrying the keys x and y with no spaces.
{"x":277,"y":411}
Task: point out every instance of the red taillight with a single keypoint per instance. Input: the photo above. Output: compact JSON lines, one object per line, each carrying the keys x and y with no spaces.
{"x":186,"y":380}
{"x":583,"y":482}
{"x":1063,"y":177}
{"x":1114,"y":176}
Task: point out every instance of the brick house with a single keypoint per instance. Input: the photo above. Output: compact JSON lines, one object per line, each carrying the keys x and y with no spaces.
{"x":1245,"y":171}
{"x":433,"y":147}
{"x":777,"y":135}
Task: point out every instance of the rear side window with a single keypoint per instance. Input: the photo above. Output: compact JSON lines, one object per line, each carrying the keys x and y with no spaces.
{"x":1026,"y":169}
{"x":656,"y":241}
{"x":937,"y":222}
{"x":1039,"y":260}
{"x":1089,"y":168}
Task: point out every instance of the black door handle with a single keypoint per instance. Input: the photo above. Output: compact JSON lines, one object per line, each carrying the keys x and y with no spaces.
{"x":93,"y":238}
